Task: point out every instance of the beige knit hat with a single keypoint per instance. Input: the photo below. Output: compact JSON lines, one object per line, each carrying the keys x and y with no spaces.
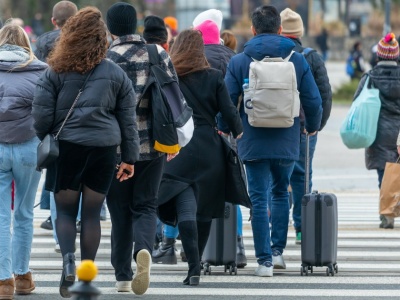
{"x":292,"y":24}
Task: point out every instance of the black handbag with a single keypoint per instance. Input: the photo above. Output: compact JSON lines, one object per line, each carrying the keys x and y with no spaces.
{"x":48,"y":149}
{"x":235,"y":176}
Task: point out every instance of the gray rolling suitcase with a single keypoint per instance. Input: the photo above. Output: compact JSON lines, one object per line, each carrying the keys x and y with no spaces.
{"x":220,"y":249}
{"x":319,"y":228}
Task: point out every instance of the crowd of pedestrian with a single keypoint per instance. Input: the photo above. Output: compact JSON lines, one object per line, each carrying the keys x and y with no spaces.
{"x":87,"y":81}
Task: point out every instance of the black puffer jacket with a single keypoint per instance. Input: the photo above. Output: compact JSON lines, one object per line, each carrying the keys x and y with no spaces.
{"x":321,"y":78}
{"x":218,"y":56}
{"x":385,"y":76}
{"x":104,"y":114}
{"x":45,"y":43}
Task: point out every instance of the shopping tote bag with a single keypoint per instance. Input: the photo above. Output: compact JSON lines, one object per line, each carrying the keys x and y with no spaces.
{"x":389,"y":204}
{"x":359,"y":128}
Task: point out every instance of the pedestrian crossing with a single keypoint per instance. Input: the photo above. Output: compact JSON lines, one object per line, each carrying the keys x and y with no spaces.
{"x":368,"y":260}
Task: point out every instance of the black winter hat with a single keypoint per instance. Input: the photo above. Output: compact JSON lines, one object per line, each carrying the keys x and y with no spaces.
{"x":121,"y":19}
{"x":155,"y":31}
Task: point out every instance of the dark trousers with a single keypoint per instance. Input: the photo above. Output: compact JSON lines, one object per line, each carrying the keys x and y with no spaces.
{"x":132,"y":206}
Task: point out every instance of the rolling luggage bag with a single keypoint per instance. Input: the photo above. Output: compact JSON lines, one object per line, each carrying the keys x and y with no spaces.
{"x":220,"y":249}
{"x":319,"y":228}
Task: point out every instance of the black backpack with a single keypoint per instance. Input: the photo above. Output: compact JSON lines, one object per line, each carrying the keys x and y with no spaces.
{"x":172,"y":118}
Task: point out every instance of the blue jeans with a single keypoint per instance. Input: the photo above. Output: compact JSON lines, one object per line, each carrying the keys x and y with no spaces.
{"x":18,"y":163}
{"x":297,"y":180}
{"x":259,"y":175}
{"x":170,"y":231}
{"x":44,"y":198}
{"x":239,"y":227}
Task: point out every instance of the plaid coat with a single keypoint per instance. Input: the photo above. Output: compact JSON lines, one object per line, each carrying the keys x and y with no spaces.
{"x":130,"y":53}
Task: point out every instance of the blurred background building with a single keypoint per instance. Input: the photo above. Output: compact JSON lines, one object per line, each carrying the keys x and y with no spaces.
{"x":344,"y":20}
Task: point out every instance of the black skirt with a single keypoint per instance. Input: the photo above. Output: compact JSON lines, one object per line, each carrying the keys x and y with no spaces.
{"x":79,"y":165}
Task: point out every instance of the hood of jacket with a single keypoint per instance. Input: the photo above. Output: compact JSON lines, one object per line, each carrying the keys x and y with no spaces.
{"x":35,"y":65}
{"x":218,"y":56}
{"x":272,"y":45}
{"x":12,"y":56}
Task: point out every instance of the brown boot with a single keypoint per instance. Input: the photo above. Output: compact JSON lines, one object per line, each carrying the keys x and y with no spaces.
{"x":7,"y":289}
{"x":24,"y":284}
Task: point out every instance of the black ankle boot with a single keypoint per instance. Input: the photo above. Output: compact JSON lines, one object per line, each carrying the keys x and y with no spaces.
{"x":68,"y":275}
{"x":241,"y":259}
{"x":188,"y":232}
{"x":165,"y":254}
{"x":203,"y":230}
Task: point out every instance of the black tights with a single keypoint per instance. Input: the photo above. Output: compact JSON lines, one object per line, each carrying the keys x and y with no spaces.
{"x":186,"y":206}
{"x":67,"y":206}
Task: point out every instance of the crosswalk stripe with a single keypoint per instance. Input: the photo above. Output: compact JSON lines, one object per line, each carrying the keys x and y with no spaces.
{"x":368,"y":262}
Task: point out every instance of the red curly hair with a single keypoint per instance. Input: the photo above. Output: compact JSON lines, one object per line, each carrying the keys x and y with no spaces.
{"x":82,"y":43}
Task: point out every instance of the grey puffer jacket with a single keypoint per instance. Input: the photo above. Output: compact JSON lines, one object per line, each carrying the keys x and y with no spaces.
{"x":17,"y":87}
{"x":385,"y":76}
{"x":104,"y":114}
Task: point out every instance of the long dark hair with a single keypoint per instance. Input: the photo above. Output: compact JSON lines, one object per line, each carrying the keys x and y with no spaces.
{"x":187,"y":53}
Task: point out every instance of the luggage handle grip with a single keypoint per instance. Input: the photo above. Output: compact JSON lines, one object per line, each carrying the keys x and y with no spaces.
{"x":307,"y":165}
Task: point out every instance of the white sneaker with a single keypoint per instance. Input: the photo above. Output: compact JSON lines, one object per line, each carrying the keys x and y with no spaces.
{"x":123,"y":286}
{"x":265,"y":270}
{"x":141,"y":279}
{"x":57,"y":248}
{"x":277,"y":260}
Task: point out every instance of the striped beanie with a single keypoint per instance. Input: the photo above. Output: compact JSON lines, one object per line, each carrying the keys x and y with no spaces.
{"x":388,"y":48}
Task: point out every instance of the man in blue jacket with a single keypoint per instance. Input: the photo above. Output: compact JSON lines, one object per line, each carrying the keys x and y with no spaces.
{"x":270,"y":153}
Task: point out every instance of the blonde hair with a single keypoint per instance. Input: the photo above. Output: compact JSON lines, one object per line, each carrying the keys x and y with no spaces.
{"x":15,"y":35}
{"x":229,"y":39}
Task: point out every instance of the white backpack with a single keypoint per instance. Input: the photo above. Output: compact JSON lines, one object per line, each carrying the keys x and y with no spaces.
{"x":274,"y":99}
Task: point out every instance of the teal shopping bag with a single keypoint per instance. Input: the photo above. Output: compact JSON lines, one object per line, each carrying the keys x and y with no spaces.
{"x":359,"y":128}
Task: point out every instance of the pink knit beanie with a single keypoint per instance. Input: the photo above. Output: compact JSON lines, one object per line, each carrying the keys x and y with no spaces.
{"x":210,"y":32}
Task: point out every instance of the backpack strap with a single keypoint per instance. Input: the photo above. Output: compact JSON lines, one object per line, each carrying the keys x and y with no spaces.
{"x":154,"y":58}
{"x":307,"y":51}
{"x":286,"y":59}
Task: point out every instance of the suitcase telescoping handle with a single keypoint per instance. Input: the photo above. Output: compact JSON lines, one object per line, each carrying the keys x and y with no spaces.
{"x":307,"y":165}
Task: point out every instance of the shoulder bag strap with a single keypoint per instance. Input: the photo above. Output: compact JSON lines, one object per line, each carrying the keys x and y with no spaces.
{"x":73,"y":104}
{"x":154,"y":58}
{"x":197,"y":105}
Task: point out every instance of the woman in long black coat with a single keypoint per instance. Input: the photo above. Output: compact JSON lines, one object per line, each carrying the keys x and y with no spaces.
{"x":385,"y":77}
{"x":200,"y":166}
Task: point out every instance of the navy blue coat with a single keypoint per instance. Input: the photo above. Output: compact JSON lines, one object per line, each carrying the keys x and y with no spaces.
{"x":273,"y":143}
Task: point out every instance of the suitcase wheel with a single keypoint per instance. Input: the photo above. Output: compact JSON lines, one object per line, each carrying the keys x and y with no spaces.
{"x":304,"y":270}
{"x":232,"y":270}
{"x":330,"y":271}
{"x":336,"y":269}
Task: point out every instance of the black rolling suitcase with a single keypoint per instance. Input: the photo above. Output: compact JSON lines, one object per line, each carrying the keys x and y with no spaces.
{"x":319,"y":228}
{"x":220,"y":249}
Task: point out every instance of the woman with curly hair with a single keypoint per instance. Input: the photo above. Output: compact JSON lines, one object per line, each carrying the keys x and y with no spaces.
{"x":103,"y":118}
{"x":19,"y":71}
